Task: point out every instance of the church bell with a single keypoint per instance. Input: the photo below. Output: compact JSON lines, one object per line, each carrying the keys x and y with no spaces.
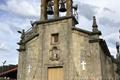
{"x":49,"y":8}
{"x":62,"y":6}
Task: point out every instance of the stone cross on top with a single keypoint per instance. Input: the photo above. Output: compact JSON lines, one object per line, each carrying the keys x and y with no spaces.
{"x":58,"y":5}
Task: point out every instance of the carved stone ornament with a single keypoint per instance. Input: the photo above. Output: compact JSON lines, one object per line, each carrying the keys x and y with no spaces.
{"x":54,"y":54}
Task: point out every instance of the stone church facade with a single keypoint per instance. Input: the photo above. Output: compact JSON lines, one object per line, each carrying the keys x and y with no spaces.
{"x":54,"y":49}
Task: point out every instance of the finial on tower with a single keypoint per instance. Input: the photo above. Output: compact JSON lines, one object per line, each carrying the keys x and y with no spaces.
{"x":117,"y":47}
{"x":95,"y":26}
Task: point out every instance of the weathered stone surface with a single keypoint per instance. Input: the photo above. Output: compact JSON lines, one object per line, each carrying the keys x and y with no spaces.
{"x":78,"y":54}
{"x":74,"y":47}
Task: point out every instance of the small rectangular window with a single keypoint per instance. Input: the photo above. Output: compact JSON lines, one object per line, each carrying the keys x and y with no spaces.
{"x":55,"y":38}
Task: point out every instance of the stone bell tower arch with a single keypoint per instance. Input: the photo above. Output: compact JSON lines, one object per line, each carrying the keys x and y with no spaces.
{"x":57,"y":5}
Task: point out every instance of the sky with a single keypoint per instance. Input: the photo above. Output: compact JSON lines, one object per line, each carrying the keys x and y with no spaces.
{"x":16,"y":15}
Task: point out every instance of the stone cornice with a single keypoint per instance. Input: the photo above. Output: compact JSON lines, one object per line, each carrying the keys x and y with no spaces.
{"x":27,"y":38}
{"x":56,"y":19}
{"x":81,"y":30}
{"x":87,"y":32}
{"x":30,"y":38}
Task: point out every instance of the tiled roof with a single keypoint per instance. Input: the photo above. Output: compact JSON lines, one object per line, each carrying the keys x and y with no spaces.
{"x":14,"y":69}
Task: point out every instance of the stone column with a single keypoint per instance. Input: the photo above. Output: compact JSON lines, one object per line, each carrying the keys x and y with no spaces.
{"x":69,"y":7}
{"x":44,"y":10}
{"x":56,"y":8}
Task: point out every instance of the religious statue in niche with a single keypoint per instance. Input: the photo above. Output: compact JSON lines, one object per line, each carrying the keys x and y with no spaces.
{"x":54,"y":54}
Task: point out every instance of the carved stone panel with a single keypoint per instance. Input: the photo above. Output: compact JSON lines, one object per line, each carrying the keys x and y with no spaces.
{"x":54,"y":54}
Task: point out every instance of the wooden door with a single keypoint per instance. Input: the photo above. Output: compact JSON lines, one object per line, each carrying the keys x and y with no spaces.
{"x":55,"y":74}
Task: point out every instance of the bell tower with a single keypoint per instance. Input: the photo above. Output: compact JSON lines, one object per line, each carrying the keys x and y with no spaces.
{"x":54,"y":7}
